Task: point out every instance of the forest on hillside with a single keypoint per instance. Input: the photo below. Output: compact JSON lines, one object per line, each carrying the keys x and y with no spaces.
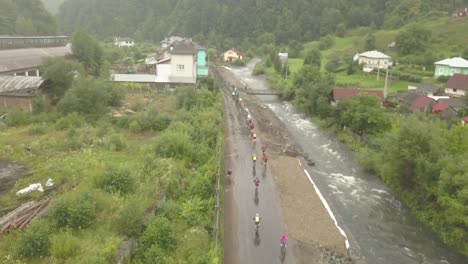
{"x":221,"y":22}
{"x":52,"y":5}
{"x":25,"y":17}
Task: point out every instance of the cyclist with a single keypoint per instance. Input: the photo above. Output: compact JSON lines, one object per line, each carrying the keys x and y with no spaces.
{"x":254,"y":158}
{"x":283,"y":241}
{"x":257,"y":219}
{"x":257,"y":183}
{"x":229,"y":173}
{"x":265,"y":160}
{"x":263,"y":150}
{"x":252,"y":126}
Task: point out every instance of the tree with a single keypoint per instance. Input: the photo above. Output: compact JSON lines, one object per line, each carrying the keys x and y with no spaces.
{"x":90,"y":98}
{"x":414,"y":40}
{"x":60,"y":74}
{"x":369,"y":42}
{"x":313,"y":57}
{"x":465,"y":54}
{"x":326,"y":42}
{"x":88,"y":51}
{"x":363,"y":114}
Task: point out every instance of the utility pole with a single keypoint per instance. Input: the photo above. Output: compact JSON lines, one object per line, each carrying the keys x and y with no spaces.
{"x":378,"y":73}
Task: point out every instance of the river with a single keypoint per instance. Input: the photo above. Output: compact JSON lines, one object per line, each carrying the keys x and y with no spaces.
{"x":379,"y":227}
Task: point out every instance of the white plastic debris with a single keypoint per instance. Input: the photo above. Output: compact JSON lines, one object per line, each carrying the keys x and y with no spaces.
{"x":32,"y":187}
{"x":50,"y":183}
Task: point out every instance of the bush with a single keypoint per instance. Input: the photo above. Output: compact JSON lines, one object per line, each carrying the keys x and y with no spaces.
{"x":130,"y":220}
{"x":326,"y":42}
{"x":160,"y":233}
{"x":239,"y":63}
{"x":259,"y":69}
{"x":115,"y":142}
{"x":117,"y":180}
{"x":17,"y":118}
{"x":35,"y":241}
{"x":443,"y":79}
{"x":74,"y":212}
{"x":174,"y":144}
{"x":72,"y":120}
{"x":38,"y":129}
{"x":64,"y":245}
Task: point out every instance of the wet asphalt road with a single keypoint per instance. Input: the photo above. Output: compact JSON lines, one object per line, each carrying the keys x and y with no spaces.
{"x":241,"y":243}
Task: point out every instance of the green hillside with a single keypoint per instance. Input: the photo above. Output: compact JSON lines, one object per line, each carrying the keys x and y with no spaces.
{"x":242,"y":22}
{"x":448,"y":40}
{"x":25,"y":17}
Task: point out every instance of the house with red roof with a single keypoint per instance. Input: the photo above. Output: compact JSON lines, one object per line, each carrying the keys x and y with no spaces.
{"x":340,"y":94}
{"x":461,"y":12}
{"x":457,"y":85}
{"x":422,"y":104}
{"x":444,"y":111}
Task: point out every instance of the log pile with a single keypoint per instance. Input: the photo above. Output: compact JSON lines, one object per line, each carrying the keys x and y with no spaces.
{"x":23,"y":215}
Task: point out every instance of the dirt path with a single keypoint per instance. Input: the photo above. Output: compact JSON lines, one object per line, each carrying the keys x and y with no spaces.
{"x":313,"y":235}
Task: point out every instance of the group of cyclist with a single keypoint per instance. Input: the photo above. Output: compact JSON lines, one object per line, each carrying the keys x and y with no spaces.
{"x":253,"y":135}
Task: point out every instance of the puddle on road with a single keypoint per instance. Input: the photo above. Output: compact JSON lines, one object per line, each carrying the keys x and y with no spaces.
{"x":9,"y":173}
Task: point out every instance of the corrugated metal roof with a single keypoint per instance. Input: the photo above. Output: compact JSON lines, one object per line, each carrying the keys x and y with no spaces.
{"x":18,"y":59}
{"x":455,"y":62}
{"x":17,"y":83}
{"x":375,"y":55}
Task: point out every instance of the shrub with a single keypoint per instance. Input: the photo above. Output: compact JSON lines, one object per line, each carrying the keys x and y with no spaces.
{"x":326,"y":42}
{"x":38,"y":129}
{"x":443,"y":79}
{"x":117,"y":180}
{"x":72,"y":120}
{"x":35,"y":241}
{"x":64,"y":245}
{"x":135,"y":126}
{"x":115,"y":142}
{"x":17,"y":118}
{"x":259,"y":69}
{"x":174,"y":144}
{"x":74,"y":212}
{"x":130,"y":220}
{"x":239,"y":63}
{"x":160,"y":232}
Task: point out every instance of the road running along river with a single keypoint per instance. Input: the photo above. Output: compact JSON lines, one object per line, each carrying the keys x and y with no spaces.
{"x":380,"y":228}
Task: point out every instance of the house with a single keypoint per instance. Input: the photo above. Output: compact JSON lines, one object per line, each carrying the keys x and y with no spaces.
{"x":424,"y":89}
{"x":444,"y":111}
{"x":461,"y":12}
{"x":455,"y":103}
{"x":18,"y":91}
{"x":457,"y":85}
{"x":183,"y":63}
{"x":415,"y":102}
{"x":373,"y":60}
{"x":202,"y":66}
{"x":232,"y":55}
{"x":124,"y":42}
{"x":283,"y":57}
{"x":449,"y":67}
{"x":340,"y":94}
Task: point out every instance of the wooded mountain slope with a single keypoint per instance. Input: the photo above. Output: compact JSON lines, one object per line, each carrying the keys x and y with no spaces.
{"x":52,"y":5}
{"x":25,"y":17}
{"x":221,"y":21}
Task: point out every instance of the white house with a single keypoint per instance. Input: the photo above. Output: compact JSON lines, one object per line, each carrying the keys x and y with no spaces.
{"x":232,"y":55}
{"x":124,"y":42}
{"x":183,"y":63}
{"x":457,"y":85}
{"x":373,"y":60}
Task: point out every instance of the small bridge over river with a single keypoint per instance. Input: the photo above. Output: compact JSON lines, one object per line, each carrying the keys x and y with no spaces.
{"x":263,"y":92}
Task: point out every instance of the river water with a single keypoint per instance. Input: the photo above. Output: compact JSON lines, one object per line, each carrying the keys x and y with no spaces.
{"x":379,"y":227}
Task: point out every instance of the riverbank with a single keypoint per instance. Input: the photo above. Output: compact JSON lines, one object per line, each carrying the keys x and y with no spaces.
{"x":316,"y":239}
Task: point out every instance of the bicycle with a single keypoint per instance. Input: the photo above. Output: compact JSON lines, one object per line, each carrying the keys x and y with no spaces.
{"x":228,"y":176}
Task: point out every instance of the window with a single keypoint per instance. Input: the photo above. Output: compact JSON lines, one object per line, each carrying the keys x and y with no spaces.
{"x":180,"y":67}
{"x":454,"y":90}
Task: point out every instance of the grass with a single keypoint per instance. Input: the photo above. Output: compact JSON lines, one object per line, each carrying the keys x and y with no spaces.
{"x":75,"y":169}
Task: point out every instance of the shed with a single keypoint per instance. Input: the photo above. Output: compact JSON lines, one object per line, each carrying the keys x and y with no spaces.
{"x":17,"y":91}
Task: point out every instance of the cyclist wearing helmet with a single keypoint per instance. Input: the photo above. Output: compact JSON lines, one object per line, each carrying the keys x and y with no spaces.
{"x":229,"y":173}
{"x":257,"y":183}
{"x":257,"y":219}
{"x":254,"y":158}
{"x":283,"y":240}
